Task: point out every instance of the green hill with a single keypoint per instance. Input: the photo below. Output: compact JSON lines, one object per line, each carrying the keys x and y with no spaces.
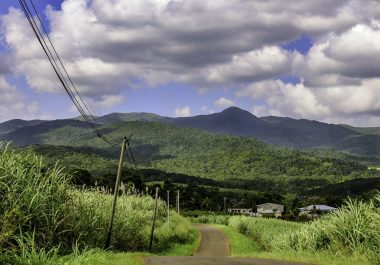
{"x":187,"y":151}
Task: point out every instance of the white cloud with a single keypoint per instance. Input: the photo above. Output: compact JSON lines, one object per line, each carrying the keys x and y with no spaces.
{"x":183,"y":112}
{"x":109,"y":46}
{"x":224,"y":102}
{"x":14,"y":104}
{"x":285,"y":99}
{"x":207,"y":110}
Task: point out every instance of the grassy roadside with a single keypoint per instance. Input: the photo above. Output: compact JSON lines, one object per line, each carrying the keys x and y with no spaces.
{"x":184,"y":249}
{"x":243,"y":246}
{"x":44,"y":219}
{"x":101,"y":257}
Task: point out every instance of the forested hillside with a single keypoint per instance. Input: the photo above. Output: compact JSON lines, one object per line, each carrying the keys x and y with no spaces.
{"x":187,"y":151}
{"x":281,"y":131}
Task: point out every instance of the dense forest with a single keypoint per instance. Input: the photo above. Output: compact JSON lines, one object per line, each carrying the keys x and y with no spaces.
{"x":206,"y":166}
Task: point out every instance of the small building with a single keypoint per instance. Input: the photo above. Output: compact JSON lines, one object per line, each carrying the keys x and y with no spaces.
{"x":317,"y":209}
{"x":240,"y":211}
{"x":270,"y":209}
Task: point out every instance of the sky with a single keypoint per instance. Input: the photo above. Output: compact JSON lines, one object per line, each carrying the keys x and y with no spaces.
{"x":302,"y":59}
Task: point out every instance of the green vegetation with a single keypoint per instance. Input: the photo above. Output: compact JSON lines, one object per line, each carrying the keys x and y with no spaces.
{"x":43,"y":216}
{"x":198,"y":153}
{"x":349,"y":236}
{"x":265,"y":232}
{"x":354,"y":230}
{"x":241,"y":245}
{"x":222,"y":161}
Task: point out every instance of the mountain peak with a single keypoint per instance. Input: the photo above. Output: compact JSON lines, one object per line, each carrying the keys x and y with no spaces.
{"x":238,"y":112}
{"x":233,"y":108}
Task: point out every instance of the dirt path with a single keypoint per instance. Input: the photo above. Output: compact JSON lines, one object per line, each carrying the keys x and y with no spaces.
{"x":213,"y":250}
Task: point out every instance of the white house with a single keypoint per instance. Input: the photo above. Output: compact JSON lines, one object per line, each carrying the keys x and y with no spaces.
{"x":240,"y":211}
{"x":270,"y":209}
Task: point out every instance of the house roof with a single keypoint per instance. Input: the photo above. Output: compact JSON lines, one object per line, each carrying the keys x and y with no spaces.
{"x":269,"y":203}
{"x":318,"y":207}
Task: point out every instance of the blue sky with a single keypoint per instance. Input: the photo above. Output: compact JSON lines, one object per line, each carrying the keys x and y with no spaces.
{"x":186,"y":68}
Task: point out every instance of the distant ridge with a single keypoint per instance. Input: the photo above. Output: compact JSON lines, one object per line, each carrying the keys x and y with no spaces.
{"x":15,"y":124}
{"x":281,"y":131}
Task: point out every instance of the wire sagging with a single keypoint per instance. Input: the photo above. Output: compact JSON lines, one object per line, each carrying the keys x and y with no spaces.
{"x":59,"y":68}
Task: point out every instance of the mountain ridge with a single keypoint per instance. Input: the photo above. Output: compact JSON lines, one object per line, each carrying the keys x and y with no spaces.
{"x":280,"y":131}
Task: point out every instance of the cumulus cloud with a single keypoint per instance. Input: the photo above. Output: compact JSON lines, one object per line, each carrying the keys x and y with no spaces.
{"x":257,"y":65}
{"x":182,"y":112}
{"x":338,"y":104}
{"x":224,"y":102}
{"x":109,"y":46}
{"x":286,"y":100}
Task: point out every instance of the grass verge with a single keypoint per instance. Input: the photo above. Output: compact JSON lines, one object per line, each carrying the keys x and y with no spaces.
{"x":243,"y":246}
{"x":184,"y":249}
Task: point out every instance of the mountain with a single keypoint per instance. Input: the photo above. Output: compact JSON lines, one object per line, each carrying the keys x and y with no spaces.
{"x":237,"y":161}
{"x":192,"y":152}
{"x":280,"y":131}
{"x":133,"y":116}
{"x":232,"y":121}
{"x":305,"y":134}
{"x":35,"y":134}
{"x":15,"y":124}
{"x":364,"y":130}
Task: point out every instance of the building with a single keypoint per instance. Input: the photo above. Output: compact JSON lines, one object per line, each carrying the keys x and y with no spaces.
{"x":270,"y":209}
{"x":317,"y":209}
{"x":240,"y":211}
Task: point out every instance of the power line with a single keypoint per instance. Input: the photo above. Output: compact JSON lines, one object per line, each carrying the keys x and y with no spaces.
{"x":77,"y":102}
{"x":59,"y":58}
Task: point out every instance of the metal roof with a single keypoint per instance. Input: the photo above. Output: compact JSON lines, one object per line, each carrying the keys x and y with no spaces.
{"x":318,"y":207}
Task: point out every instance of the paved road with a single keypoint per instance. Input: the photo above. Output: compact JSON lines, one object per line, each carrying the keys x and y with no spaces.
{"x":214,"y":243}
{"x":213,"y":250}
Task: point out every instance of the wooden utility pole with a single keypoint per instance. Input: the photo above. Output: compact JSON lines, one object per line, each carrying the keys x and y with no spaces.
{"x":177,"y":202}
{"x":116,"y":191}
{"x":167,"y":198}
{"x":153,"y":221}
{"x":225,"y":208}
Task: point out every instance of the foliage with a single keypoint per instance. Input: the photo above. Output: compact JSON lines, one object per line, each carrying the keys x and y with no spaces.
{"x":353,"y":230}
{"x":40,"y":214}
{"x":195,"y":152}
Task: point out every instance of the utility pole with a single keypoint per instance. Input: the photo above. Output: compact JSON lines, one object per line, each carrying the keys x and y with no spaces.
{"x":117,"y":185}
{"x":153,"y":221}
{"x":177,"y":202}
{"x":225,"y":208}
{"x":167,"y":198}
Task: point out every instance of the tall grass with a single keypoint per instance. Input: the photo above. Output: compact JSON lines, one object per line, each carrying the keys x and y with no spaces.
{"x":41,"y":214}
{"x":353,"y":230}
{"x":212,"y":219}
{"x":265,"y":232}
{"x":32,"y":199}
